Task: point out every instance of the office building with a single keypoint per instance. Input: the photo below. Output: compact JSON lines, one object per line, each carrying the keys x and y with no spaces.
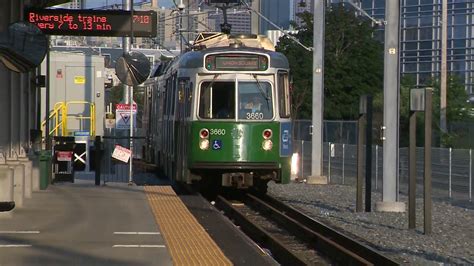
{"x":420,"y":37}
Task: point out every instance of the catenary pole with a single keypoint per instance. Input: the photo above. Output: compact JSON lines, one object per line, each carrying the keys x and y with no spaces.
{"x":444,"y":73}
{"x":318,"y":95}
{"x":128,"y":93}
{"x":390,"y":127}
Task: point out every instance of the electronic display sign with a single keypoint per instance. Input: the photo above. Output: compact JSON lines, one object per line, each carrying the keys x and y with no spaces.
{"x":223,"y":2}
{"x":227,"y":62}
{"x":86,"y":22}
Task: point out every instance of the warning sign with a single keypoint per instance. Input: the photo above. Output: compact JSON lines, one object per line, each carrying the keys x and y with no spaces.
{"x":64,"y":156}
{"x":122,"y":116}
{"x":79,"y":80}
{"x":121,"y":153}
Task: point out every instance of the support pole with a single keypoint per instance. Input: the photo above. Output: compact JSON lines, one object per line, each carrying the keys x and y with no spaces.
{"x":5,"y":115}
{"x":427,"y":175}
{"x":412,"y":173}
{"x":391,"y":97}
{"x":450,"y":179}
{"x":128,"y":93}
{"x":46,"y":104}
{"x":368,"y":156}
{"x":360,"y":160}
{"x":343,"y":162}
{"x":444,"y":69}
{"x":376,"y":165}
{"x":98,"y":159}
{"x":470,"y":174}
{"x":318,"y":95}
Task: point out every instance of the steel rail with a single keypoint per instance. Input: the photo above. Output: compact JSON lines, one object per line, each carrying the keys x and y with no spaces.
{"x":259,"y":235}
{"x":349,"y":243}
{"x":334,"y":251}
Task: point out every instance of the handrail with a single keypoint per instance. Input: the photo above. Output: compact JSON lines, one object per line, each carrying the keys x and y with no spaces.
{"x":55,"y":113}
{"x":61,"y":115}
{"x":91,"y":117}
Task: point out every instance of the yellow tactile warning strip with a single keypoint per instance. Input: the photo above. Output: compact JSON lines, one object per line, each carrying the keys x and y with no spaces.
{"x":187,"y":241}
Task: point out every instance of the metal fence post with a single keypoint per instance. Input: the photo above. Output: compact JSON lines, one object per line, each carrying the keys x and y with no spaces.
{"x":329,"y":163}
{"x":450,"y":156}
{"x":470,"y":174}
{"x":376,"y":164}
{"x":343,"y":161}
{"x":302,"y":159}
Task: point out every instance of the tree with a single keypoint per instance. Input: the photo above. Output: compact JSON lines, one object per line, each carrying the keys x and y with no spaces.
{"x":300,"y":67}
{"x":353,"y":63}
{"x":457,"y":109}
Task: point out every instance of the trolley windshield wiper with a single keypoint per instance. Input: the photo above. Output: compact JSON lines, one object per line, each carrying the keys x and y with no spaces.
{"x":212,"y":82}
{"x":262,"y":91}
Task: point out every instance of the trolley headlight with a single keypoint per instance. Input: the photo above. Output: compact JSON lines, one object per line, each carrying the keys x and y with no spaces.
{"x":204,"y":144}
{"x":267,"y":144}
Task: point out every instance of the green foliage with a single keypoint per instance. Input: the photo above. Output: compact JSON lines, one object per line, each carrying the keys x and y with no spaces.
{"x":116,"y":94}
{"x":457,"y":107}
{"x":353,"y":64}
{"x":300,"y":65}
{"x":457,"y":110}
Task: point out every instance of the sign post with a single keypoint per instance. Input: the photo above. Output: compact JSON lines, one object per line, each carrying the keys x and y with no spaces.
{"x":417,"y":104}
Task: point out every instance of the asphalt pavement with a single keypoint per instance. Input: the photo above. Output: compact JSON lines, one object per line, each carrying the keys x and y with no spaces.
{"x":83,"y":224}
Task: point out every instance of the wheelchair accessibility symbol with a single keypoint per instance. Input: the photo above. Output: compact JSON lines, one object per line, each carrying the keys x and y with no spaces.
{"x":217,"y":144}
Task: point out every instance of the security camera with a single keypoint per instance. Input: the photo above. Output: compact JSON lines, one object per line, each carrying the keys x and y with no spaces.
{"x":181,"y":6}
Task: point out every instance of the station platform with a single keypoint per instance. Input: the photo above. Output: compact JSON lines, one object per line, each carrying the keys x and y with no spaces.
{"x":116,"y":224}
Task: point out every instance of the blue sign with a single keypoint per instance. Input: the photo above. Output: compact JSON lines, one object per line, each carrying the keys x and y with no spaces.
{"x":81,"y":133}
{"x":285,"y":139}
{"x":217,"y":144}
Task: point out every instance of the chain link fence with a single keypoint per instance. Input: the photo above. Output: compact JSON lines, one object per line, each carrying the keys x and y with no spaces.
{"x":451,"y":168}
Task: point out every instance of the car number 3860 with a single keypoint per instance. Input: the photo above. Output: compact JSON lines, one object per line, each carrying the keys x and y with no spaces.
{"x":217,"y":131}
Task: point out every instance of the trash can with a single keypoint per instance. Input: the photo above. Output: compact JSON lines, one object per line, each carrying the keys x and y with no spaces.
{"x":62,"y":161}
{"x":45,"y":168}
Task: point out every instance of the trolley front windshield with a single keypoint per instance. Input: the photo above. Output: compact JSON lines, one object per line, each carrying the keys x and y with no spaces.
{"x":250,"y":100}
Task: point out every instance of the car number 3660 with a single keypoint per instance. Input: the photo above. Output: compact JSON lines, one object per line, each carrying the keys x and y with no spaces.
{"x":217,"y":131}
{"x":254,"y":116}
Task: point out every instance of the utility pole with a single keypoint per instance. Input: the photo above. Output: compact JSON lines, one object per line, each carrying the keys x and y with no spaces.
{"x":443,"y":86}
{"x":318,"y":94}
{"x":391,"y":107}
{"x":180,"y":26}
{"x":255,"y":20}
{"x":128,"y":93}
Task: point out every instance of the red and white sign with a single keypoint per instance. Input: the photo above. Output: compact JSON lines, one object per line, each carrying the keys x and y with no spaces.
{"x":121,"y":153}
{"x":64,"y":156}
{"x":122,"y":115}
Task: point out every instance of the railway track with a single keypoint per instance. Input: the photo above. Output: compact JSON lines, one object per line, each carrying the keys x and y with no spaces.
{"x":293,"y":238}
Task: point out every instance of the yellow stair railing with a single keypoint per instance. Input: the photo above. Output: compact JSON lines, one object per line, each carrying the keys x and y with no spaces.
{"x":55,"y":115}
{"x":59,"y":117}
{"x":91,"y":118}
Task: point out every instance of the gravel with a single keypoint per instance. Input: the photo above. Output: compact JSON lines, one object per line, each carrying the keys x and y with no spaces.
{"x":451,"y":240}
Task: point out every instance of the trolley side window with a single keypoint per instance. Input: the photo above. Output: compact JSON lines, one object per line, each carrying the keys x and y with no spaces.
{"x":284,"y":94}
{"x":255,"y":100}
{"x":217,"y":100}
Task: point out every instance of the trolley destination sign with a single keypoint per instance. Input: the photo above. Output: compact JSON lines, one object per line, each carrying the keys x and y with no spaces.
{"x":85,"y":22}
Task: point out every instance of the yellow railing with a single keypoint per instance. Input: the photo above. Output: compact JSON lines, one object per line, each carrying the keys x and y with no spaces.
{"x":57,"y":112}
{"x":91,"y":118}
{"x":59,"y":116}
